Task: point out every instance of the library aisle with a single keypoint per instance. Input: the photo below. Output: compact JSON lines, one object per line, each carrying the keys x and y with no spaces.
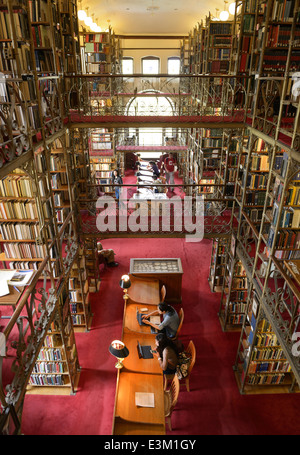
{"x":214,"y":405}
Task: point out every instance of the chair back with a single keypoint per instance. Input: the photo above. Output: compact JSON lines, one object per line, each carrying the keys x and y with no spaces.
{"x":181,"y":317}
{"x":174,"y":393}
{"x":163,"y":293}
{"x":191,"y":350}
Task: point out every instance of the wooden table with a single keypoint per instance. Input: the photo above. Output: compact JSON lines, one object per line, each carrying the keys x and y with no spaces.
{"x":128,"y":385}
{"x":167,"y":270}
{"x":130,"y":322}
{"x":145,"y":291}
{"x":138,"y":374}
{"x":133,"y":362}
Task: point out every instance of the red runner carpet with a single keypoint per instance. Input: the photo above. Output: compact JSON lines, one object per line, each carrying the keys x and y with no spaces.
{"x":214,"y":405}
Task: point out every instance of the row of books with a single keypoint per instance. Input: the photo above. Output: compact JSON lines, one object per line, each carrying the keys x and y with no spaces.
{"x":254,"y":214}
{"x":24,"y":250}
{"x":61,"y":214}
{"x":38,"y":10}
{"x":58,"y":180}
{"x":19,"y":231}
{"x":101,"y":167}
{"x":60,"y":199}
{"x":16,"y":186}
{"x":293,"y":195}
{"x":266,"y":339}
{"x":222,"y":54}
{"x":288,"y":239}
{"x":20,"y":23}
{"x":50,"y":354}
{"x":52,"y":340}
{"x":75,"y":296}
{"x":266,"y":379}
{"x":44,"y":61}
{"x":283,"y":10}
{"x":255,"y":198}
{"x":78,"y":319}
{"x":219,"y":28}
{"x":96,"y":37}
{"x":280,"y":35}
{"x":289,"y":217}
{"x":239,"y":283}
{"x":47,"y":380}
{"x":268,"y":367}
{"x":48,"y":367}
{"x":236,"y":319}
{"x":18,"y":210}
{"x":41,"y":36}
{"x":260,"y":163}
{"x":254,"y":181}
{"x":212,"y":142}
{"x":237,"y":307}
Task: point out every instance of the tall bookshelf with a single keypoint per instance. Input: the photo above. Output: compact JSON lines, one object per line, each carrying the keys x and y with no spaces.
{"x":218,"y":40}
{"x":79,"y":294}
{"x":57,"y":369}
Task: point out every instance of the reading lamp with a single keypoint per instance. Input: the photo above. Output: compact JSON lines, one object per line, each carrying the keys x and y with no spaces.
{"x":125,"y":284}
{"x":118,"y":349}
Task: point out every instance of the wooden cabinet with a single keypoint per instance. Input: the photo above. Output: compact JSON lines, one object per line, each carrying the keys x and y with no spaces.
{"x":168,"y":270}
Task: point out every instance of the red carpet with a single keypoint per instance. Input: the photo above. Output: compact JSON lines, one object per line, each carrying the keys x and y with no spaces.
{"x":214,"y":405}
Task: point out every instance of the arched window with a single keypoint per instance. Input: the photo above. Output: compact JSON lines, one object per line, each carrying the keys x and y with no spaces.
{"x":150,"y":65}
{"x":173,"y":65}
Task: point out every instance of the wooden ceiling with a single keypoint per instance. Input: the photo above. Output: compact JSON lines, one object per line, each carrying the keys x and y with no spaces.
{"x":161,"y":17}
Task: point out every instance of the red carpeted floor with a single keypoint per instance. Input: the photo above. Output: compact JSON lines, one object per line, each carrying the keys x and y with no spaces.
{"x":214,"y":405}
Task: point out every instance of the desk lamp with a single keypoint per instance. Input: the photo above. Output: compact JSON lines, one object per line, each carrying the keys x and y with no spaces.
{"x":125,"y":284}
{"x":118,"y":349}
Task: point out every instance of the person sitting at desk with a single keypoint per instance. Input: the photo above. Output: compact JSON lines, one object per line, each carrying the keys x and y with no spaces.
{"x":170,"y":322}
{"x":167,"y":353}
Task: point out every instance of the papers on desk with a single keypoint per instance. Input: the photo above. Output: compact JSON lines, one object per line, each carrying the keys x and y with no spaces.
{"x":144,"y":400}
{"x":155,"y":320}
{"x":13,"y":278}
{"x":21,"y":278}
{"x":5,"y":277}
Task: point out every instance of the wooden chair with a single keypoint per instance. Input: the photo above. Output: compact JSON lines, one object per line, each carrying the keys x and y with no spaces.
{"x":163,"y":293}
{"x":181,"y":317}
{"x":170,"y":399}
{"x":191,"y":350}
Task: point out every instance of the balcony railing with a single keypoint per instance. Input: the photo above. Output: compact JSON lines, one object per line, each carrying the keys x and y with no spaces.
{"x":217,"y":97}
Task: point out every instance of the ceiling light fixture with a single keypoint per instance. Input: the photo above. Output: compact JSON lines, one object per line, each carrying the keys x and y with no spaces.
{"x":81,"y":13}
{"x":224,"y":15}
{"x":217,"y":15}
{"x":87,"y":20}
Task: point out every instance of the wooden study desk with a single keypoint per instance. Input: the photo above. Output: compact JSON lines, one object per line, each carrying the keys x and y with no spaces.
{"x":125,"y":406}
{"x":138,"y":375}
{"x":145,"y":291}
{"x":133,"y":362}
{"x":130,"y":322}
{"x":15,"y":292}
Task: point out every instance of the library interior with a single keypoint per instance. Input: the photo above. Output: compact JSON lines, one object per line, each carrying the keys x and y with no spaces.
{"x":149,"y":217}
